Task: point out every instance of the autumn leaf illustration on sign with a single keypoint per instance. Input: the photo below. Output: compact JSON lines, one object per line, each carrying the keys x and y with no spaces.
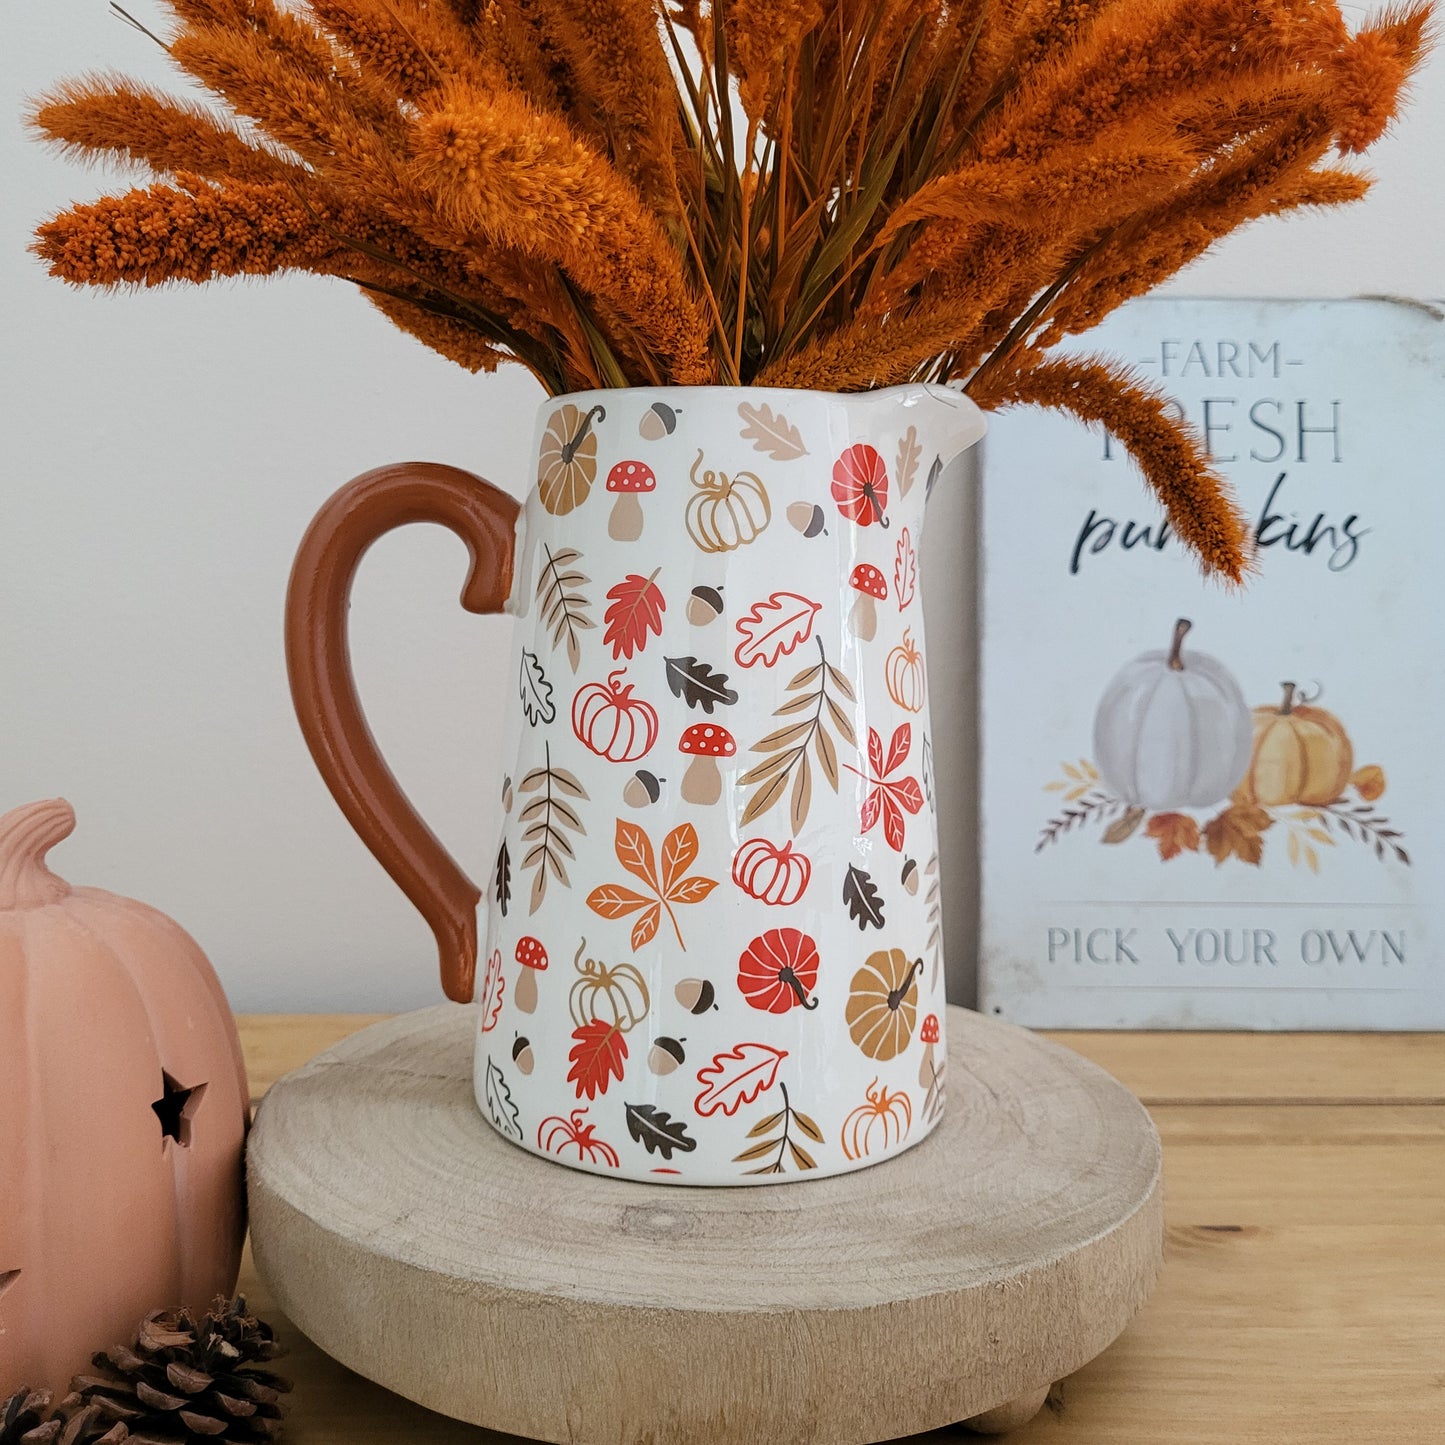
{"x":598,"y":1053}
{"x":565,"y":609}
{"x":635,"y":613}
{"x":667,"y":887}
{"x":1238,"y":833}
{"x":771,"y":432}
{"x":737,"y":1077}
{"x":860,"y":485}
{"x":774,"y":628}
{"x":792,"y":747}
{"x":889,"y":800}
{"x":1175,"y":833}
{"x":536,"y":691}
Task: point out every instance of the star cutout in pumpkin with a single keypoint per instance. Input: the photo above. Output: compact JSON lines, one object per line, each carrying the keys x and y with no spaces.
{"x":176,"y":1109}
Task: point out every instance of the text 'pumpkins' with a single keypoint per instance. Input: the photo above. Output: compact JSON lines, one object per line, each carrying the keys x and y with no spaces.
{"x":123,"y":1117}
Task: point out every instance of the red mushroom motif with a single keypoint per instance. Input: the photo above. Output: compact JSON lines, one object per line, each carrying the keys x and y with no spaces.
{"x":705,"y":743}
{"x":868,"y":582}
{"x":627,"y":480}
{"x":929,"y":1032}
{"x":533,"y":958}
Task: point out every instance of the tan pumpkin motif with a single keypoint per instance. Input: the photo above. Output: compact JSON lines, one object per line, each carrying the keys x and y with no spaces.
{"x":881,"y":1122}
{"x":883,"y":1003}
{"x":123,"y":1116}
{"x":726,"y":512}
{"x":567,"y":459}
{"x":1302,"y":754}
{"x":903,"y":673}
{"x":617,"y":995}
{"x":778,"y":876}
{"x":611,"y":722}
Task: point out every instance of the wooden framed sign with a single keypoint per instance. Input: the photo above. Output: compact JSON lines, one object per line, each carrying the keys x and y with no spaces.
{"x":1214,"y":808}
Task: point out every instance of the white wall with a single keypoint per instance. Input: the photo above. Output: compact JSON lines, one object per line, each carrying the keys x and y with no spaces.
{"x":162,"y":455}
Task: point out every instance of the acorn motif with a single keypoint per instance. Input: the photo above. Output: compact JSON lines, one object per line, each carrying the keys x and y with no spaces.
{"x":704,"y":605}
{"x":696,"y":995}
{"x":522,"y":1054}
{"x":665,"y":1055}
{"x":910,"y":875}
{"x":658,"y":421}
{"x":808,"y":517}
{"x":642,"y":789}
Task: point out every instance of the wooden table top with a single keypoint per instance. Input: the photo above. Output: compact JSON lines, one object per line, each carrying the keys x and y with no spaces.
{"x":1303,"y":1295}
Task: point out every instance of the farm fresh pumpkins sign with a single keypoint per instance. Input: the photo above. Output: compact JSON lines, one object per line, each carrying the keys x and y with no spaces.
{"x":1219,"y":809}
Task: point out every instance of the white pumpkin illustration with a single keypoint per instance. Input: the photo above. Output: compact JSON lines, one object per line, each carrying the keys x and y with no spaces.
{"x":1172,"y":731}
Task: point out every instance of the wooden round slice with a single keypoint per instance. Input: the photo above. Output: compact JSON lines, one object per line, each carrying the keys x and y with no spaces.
{"x":957,"y":1280}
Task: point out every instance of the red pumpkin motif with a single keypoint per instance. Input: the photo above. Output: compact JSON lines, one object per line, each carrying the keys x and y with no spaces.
{"x":612,"y":723}
{"x":778,"y":971}
{"x":860,"y":485}
{"x":771,"y":875}
{"x":570,"y":1136}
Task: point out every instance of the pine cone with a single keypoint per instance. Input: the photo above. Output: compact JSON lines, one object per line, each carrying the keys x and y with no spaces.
{"x":24,"y":1418}
{"x":183,"y":1382}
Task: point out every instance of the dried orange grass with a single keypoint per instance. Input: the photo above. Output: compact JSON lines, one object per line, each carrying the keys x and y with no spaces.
{"x":840,"y":194}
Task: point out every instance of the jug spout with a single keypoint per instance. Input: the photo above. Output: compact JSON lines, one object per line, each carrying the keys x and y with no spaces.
{"x":949,"y":419}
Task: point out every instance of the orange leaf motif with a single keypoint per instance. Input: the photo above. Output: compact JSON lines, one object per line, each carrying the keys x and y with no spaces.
{"x":737,"y":1077}
{"x":635,"y":853}
{"x":1237,"y":833}
{"x":1175,"y":833}
{"x":597,"y":1057}
{"x":1369,"y":781}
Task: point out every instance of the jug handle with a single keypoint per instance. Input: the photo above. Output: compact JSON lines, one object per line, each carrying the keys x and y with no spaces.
{"x":323,"y":689}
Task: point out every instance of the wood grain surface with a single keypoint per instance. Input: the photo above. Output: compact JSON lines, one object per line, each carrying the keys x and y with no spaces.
{"x":411,"y":1241}
{"x":1303,"y":1298}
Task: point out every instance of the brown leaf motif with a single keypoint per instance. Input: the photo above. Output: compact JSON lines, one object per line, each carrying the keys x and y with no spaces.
{"x":548,"y":818}
{"x":1175,"y":833}
{"x":788,"y":767}
{"x":771,"y":432}
{"x":1238,"y":832}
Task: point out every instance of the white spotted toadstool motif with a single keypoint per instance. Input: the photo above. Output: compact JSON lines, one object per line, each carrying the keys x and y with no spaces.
{"x":533,"y":958}
{"x":868,"y":582}
{"x":627,"y":480}
{"x":705,"y":743}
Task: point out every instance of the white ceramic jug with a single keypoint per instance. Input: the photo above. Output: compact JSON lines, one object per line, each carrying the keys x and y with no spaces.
{"x":711,"y":952}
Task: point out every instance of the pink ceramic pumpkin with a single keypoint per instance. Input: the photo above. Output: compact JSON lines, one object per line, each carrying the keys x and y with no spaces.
{"x":123,"y":1108}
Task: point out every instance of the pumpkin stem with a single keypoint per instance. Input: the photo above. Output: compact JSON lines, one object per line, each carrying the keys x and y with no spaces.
{"x":1286,"y":707}
{"x":1176,"y":648}
{"x":27,"y":834}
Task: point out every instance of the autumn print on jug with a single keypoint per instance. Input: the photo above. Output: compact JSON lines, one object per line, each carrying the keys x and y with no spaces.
{"x":712,"y":952}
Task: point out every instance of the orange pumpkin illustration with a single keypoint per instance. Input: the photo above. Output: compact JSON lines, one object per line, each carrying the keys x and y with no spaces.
{"x":1302,"y":754}
{"x":881,"y":1122}
{"x":903,"y":673}
{"x":779,"y":876}
{"x":883,"y":1004}
{"x":611,"y":722}
{"x":570,"y":1136}
{"x":567,"y":463}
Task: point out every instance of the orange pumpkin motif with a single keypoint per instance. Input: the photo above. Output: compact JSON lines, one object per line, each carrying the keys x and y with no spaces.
{"x":878,"y":1124}
{"x":778,"y":876}
{"x":567,"y":461}
{"x":611,"y":722}
{"x":571,"y":1136}
{"x":904,"y":676}
{"x":123,"y":1116}
{"x":1302,"y":754}
{"x":883,"y":1004}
